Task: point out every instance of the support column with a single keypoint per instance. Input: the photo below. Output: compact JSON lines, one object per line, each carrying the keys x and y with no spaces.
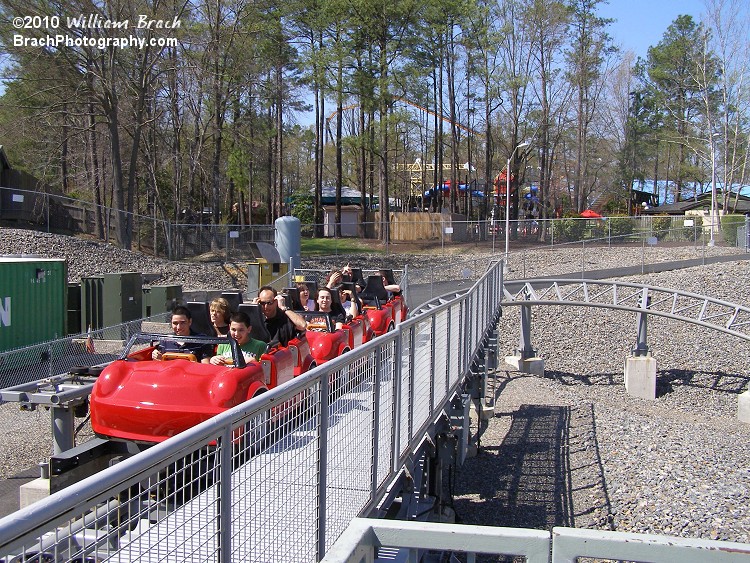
{"x":743,"y":407}
{"x":640,"y":366}
{"x":524,"y":358}
{"x":63,"y":428}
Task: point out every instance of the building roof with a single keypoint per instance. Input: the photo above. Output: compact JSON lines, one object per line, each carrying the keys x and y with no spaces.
{"x":4,"y":159}
{"x":702,"y":201}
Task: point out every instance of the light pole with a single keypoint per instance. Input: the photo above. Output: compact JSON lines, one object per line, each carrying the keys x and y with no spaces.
{"x":507,"y":198}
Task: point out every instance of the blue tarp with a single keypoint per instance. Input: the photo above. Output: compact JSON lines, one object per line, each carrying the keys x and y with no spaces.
{"x":447,"y":190}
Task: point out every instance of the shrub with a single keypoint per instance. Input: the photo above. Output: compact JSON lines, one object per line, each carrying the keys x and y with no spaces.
{"x":569,"y":229}
{"x":621,"y":227}
{"x":600,"y":229}
{"x":691,"y":233}
{"x":729,"y":224}
{"x":661,"y":225}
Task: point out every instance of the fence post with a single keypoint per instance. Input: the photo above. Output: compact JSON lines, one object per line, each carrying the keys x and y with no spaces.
{"x":169,"y":239}
{"x":552,"y":229}
{"x":583,"y":259}
{"x":747,"y":233}
{"x":695,"y":234}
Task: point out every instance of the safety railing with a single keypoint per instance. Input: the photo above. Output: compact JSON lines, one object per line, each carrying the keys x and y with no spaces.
{"x":365,"y":539}
{"x":279,"y":477}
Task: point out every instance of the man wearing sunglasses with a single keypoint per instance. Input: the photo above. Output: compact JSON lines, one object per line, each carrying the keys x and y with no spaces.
{"x":282,"y":323}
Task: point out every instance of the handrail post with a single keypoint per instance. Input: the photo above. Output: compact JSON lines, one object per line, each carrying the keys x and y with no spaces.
{"x":224,"y":531}
{"x":322,"y":466}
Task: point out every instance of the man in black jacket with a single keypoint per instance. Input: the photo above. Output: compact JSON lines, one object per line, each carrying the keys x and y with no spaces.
{"x":282,"y":323}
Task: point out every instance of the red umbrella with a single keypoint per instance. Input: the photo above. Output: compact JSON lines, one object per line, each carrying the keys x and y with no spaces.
{"x":591,"y":214}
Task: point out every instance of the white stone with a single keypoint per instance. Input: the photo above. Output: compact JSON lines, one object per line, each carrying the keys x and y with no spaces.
{"x":743,"y":407}
{"x":640,"y":376}
{"x":33,"y":491}
{"x":534,"y":366}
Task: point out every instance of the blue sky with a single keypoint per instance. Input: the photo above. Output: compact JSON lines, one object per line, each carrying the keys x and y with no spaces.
{"x":641,"y":23}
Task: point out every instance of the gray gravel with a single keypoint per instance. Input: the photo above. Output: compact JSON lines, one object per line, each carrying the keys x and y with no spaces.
{"x":678,"y":465}
{"x":570,"y":448}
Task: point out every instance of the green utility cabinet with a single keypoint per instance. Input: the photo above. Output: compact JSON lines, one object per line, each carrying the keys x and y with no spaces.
{"x":74,"y":308}
{"x":159,"y":298}
{"x":32,"y":300}
{"x":111,"y":299}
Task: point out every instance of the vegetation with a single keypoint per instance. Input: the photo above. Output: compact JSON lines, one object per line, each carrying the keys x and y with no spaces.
{"x":570,"y":229}
{"x":207,"y":113}
{"x":661,"y":224}
{"x":326,"y":246}
{"x":693,"y":233}
{"x":729,"y":225}
{"x":621,"y":227}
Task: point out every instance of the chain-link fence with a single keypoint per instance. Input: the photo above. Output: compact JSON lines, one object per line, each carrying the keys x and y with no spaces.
{"x":64,"y":215}
{"x":196,"y":235}
{"x":95,"y":347}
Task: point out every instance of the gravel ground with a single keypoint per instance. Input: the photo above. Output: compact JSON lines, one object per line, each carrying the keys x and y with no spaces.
{"x":567,"y":449}
{"x":574,"y":449}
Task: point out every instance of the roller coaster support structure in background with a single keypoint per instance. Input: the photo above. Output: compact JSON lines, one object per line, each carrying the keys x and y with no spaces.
{"x":524,"y":357}
{"x":643,"y":300}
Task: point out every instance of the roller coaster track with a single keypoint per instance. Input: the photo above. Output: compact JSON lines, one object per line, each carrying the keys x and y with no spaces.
{"x":701,"y":310}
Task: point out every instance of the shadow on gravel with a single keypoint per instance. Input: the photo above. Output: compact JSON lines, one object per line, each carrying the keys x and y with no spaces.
{"x":567,"y":378}
{"x":547,"y":472}
{"x":668,"y":380}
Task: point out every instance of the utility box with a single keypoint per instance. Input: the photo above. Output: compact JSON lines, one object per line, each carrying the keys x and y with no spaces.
{"x":33,"y":295}
{"x":111,"y":299}
{"x":159,"y":299}
{"x":260,"y":273}
{"x":74,"y":308}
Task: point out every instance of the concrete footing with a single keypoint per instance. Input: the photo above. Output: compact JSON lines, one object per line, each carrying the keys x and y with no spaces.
{"x":640,"y":376}
{"x":534,"y":366}
{"x":33,"y":491}
{"x":743,"y":407}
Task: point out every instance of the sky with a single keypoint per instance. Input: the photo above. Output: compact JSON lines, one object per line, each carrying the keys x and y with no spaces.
{"x":641,"y":24}
{"x":638,"y":25}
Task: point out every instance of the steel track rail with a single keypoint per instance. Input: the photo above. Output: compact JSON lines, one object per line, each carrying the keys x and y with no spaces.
{"x":708,"y":312}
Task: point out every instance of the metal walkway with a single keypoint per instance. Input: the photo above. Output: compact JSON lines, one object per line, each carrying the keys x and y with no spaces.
{"x":281,"y":477}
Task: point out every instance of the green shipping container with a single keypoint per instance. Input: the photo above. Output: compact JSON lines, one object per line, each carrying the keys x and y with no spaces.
{"x":33,"y":301}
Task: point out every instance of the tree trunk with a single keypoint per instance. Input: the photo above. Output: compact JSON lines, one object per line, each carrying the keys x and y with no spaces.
{"x":339,"y":140}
